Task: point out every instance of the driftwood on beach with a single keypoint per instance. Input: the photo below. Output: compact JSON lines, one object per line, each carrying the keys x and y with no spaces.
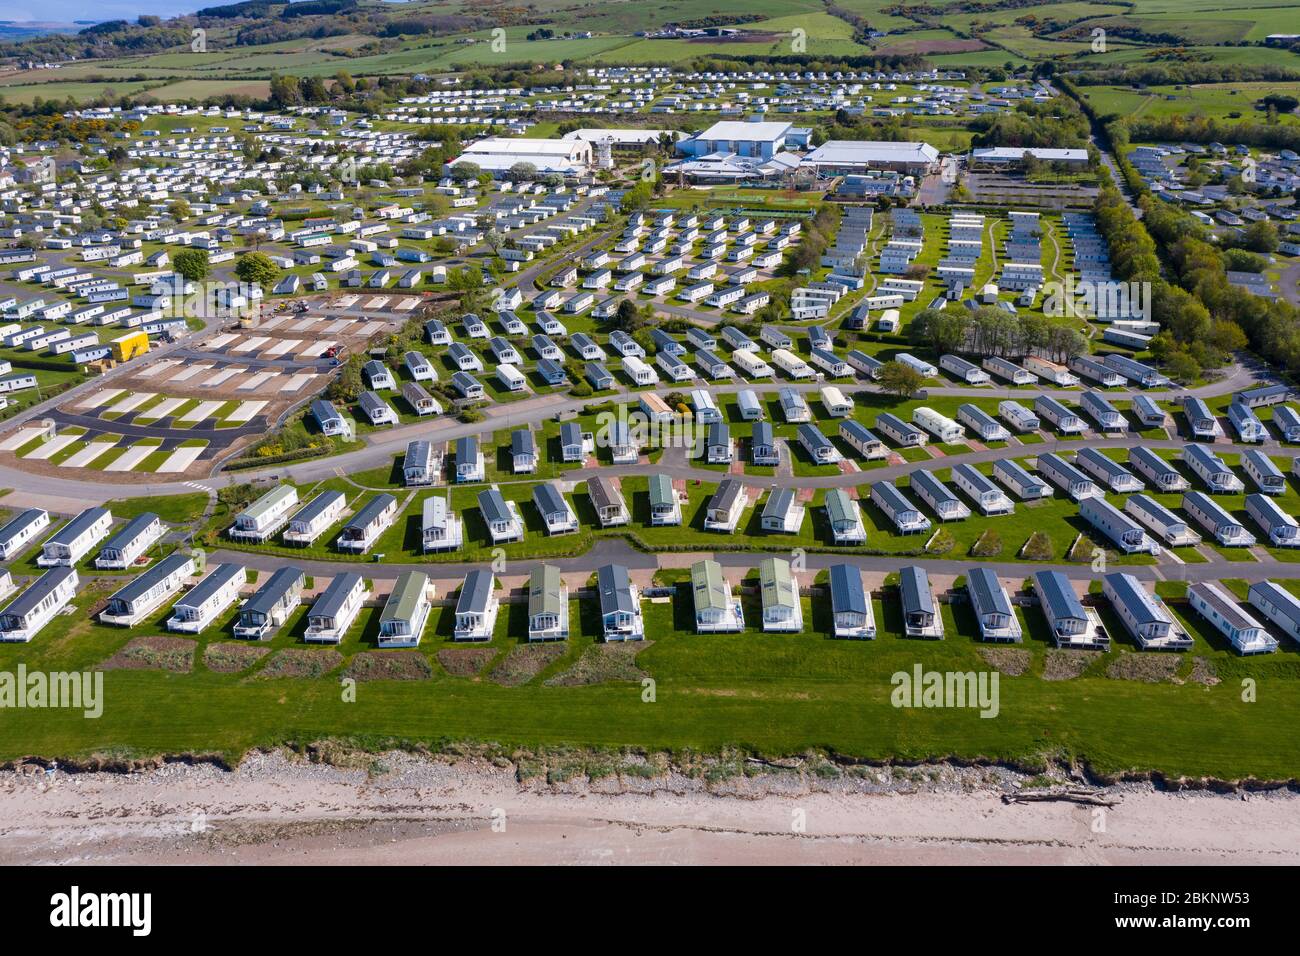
{"x":1071,"y":795}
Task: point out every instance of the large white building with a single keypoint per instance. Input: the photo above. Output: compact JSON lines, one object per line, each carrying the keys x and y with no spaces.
{"x":495,"y":155}
{"x":857,"y":156}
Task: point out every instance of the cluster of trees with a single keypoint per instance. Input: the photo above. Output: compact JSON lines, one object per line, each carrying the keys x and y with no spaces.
{"x":1172,"y":74}
{"x":817,"y":235}
{"x":1200,"y":129}
{"x":1056,"y":123}
{"x":992,"y":331}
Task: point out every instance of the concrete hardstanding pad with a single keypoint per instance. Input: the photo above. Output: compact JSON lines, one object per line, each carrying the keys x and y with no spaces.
{"x":57,"y":443}
{"x":132,"y":402}
{"x":249,"y":344}
{"x":245,"y":411}
{"x":180,"y":459}
{"x":221,"y":376}
{"x":151,"y":371}
{"x":317,"y":349}
{"x":297,"y":382}
{"x":131,"y":457}
{"x":88,"y":454}
{"x":221,"y":341}
{"x":282,"y":346}
{"x":20,"y":438}
{"x":201,"y":411}
{"x":165,"y":407}
{"x":102,"y":397}
{"x":256,"y":380}
{"x":187,"y":373}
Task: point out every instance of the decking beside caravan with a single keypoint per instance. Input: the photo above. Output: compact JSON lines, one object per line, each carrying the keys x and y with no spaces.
{"x":1212,"y":516}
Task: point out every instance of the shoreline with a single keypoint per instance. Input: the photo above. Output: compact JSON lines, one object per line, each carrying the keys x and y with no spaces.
{"x":409,"y":809}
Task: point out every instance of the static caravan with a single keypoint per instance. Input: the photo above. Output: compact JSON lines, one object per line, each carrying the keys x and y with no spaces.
{"x":1278,"y":605}
{"x":401,"y":623}
{"x":123,"y":548}
{"x":899,"y":431}
{"x":862,"y":440}
{"x":1130,"y":368}
{"x":501,"y":517}
{"x":476,"y":607}
{"x":844,"y":517}
{"x":1050,"y":371}
{"x":963,"y":371}
{"x":147,"y":592}
{"x":925,"y":368}
{"x":716,"y":610}
{"x":607,"y":501}
{"x":1245,"y":633}
{"x":421,"y":465}
{"x":1066,"y":477}
{"x":988,"y":497}
{"x":1144,"y":615}
{"x":830,"y":363}
{"x":1281,"y":528}
{"x":1209,"y":467}
{"x":783,"y":512}
{"x":74,"y":540}
{"x":376,"y":410}
{"x":940,"y":426}
{"x":751,"y":409}
{"x":335,"y":611}
{"x":421,"y":402}
{"x":921,"y":617}
{"x":440,"y":528}
{"x":421,"y":368}
{"x":864,"y":363}
{"x":207,"y":600}
{"x":1149,"y":414}
{"x":706,"y":409}
{"x":469,"y":460}
{"x":1247,"y":424}
{"x":820,"y":448}
{"x":793,"y":407}
{"x":1266,"y":475}
{"x":1099,"y":409}
{"x":939,"y":497}
{"x":548,"y":605}
{"x":779,"y":591}
{"x":1064,"y":420}
{"x":575,"y":444}
{"x":1163,"y":476}
{"x":310,"y":522}
{"x":1200,"y":420}
{"x":907,"y":517}
{"x":665,"y":505}
{"x":271,"y":605}
{"x":835,"y":402}
{"x":1125,"y":533}
{"x":620,"y":604}
{"x":1019,"y":417}
{"x":24,"y":616}
{"x":791,"y":364}
{"x":1026,"y":486}
{"x":1095,"y":371}
{"x":523,"y":452}
{"x":21,"y":530}
{"x":851,"y":612}
{"x":724,"y":508}
{"x":992,"y":606}
{"x":365,"y":527}
{"x":1072,"y":624}
{"x":1287,"y":421}
{"x":751,"y":365}
{"x":1211,"y":516}
{"x":1008,"y":370}
{"x":763,"y":448}
{"x":1107,"y":471}
{"x":984,"y":425}
{"x":1166,"y":525}
{"x":654,"y":408}
{"x":674,"y":367}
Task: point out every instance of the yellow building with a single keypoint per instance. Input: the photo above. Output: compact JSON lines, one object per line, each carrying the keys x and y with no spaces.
{"x":130,"y":345}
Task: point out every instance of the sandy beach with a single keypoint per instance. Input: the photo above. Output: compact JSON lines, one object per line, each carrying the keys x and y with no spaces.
{"x":416,"y":810}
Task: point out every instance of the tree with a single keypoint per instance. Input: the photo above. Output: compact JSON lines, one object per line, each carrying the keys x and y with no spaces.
{"x":179,"y":210}
{"x":192,"y":264}
{"x":522,"y":173}
{"x":901,"y":380}
{"x":255,"y":267}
